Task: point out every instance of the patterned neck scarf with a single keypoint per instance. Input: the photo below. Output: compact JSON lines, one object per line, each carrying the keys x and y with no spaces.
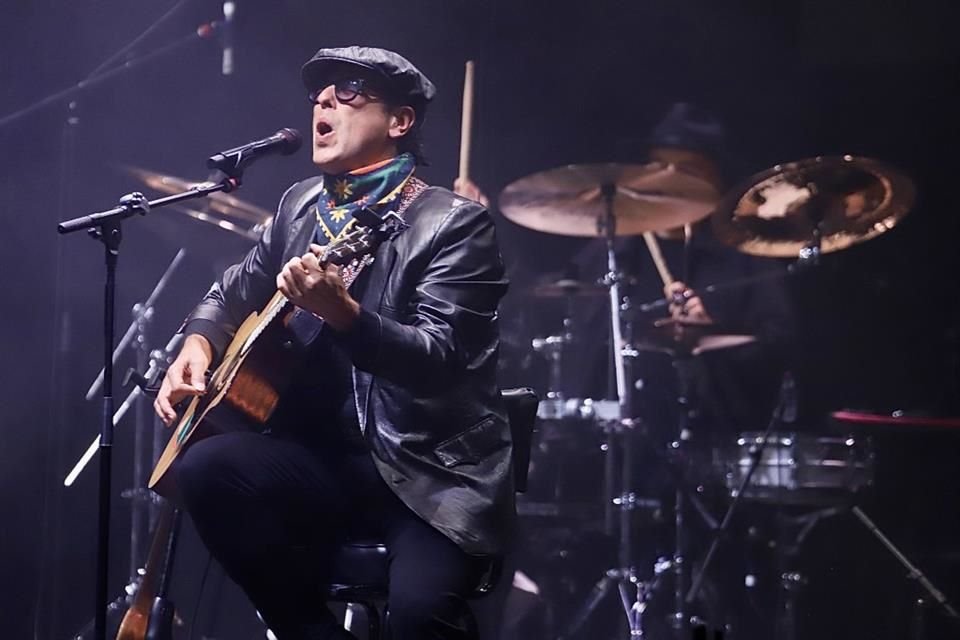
{"x":344,"y":194}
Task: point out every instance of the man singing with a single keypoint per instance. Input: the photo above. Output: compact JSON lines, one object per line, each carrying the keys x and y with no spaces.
{"x":394,"y":427}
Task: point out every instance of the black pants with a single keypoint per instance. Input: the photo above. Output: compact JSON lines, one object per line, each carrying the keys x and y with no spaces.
{"x":270,"y":509}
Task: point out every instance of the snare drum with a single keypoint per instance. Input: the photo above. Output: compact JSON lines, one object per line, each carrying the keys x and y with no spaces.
{"x":799,"y":468}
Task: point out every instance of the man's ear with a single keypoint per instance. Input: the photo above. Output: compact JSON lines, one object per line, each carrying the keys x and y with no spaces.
{"x":402,"y":120}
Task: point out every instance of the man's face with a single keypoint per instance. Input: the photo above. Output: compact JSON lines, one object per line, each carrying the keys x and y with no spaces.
{"x":352,"y":125}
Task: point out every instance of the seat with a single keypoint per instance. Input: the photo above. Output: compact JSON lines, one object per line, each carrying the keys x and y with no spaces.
{"x":359,"y":568}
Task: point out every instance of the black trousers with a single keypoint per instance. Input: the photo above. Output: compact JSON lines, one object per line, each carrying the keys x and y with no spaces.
{"x":271,"y":508}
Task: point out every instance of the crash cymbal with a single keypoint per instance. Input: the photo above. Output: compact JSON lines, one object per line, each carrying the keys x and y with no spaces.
{"x":224,"y":204}
{"x":569,"y":200}
{"x":568,"y":287}
{"x":844,"y":199}
{"x":250,"y":233}
{"x":685,"y":336}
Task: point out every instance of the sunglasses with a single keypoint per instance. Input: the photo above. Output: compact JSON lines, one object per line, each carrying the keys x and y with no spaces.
{"x":346,"y":90}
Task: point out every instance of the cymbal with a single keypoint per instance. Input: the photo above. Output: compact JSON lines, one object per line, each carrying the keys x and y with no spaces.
{"x":252,"y":233}
{"x":568,"y":287}
{"x":846,"y":199}
{"x":897,"y":419}
{"x":224,"y":204}
{"x":569,"y":200}
{"x":685,"y":336}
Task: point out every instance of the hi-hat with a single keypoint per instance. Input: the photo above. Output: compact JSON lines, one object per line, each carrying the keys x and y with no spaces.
{"x":686,"y":336}
{"x":223,"y":210}
{"x":568,"y":287}
{"x":570,"y":200}
{"x":843,"y":200}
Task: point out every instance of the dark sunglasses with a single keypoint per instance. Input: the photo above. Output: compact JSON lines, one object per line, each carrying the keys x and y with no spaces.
{"x":346,"y":90}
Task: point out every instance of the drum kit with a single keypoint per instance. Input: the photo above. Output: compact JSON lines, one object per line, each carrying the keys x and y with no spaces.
{"x":798,"y":210}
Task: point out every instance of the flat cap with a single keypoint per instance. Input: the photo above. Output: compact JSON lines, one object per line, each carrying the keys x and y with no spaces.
{"x":687,"y":126}
{"x":408,"y":81}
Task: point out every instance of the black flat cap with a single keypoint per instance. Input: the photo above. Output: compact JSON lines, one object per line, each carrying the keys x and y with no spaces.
{"x":687,"y":126}
{"x":409,"y":82}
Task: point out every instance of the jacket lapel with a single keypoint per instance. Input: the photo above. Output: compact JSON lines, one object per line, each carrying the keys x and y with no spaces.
{"x":372,"y":299}
{"x":380,"y":273}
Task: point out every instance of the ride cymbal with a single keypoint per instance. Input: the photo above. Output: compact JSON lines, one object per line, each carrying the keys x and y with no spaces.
{"x":571,"y":201}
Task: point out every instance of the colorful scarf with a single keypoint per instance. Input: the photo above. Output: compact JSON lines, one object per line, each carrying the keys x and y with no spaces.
{"x":344,"y":194}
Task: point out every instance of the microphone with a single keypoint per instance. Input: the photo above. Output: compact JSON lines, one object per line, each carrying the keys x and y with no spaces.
{"x":229,"y":7}
{"x":233,"y":161}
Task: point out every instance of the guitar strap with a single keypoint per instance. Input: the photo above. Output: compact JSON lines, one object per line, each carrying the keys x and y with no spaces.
{"x":305,"y":326}
{"x":411,"y":189}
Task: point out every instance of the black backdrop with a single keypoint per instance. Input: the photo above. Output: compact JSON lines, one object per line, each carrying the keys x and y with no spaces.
{"x":557,"y":82}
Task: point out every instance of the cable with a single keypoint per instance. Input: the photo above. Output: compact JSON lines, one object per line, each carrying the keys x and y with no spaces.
{"x":106,"y":63}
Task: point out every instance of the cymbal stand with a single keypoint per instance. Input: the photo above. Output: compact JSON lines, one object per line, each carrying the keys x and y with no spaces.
{"x":682,"y":365}
{"x":914,"y":573}
{"x":618,"y":506}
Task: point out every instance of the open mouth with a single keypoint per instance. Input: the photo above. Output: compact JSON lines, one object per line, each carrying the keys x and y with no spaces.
{"x":323,"y":128}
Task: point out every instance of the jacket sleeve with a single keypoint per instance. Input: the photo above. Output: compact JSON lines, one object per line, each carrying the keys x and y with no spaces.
{"x":450,"y":323}
{"x":243,"y":288}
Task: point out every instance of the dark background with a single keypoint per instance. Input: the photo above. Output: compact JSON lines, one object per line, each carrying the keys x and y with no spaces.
{"x":557,"y":82}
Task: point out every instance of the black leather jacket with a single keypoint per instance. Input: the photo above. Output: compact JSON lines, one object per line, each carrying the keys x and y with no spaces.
{"x":424,"y":353}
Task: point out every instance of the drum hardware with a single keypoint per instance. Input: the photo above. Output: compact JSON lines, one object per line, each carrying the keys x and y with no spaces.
{"x":610,"y":200}
{"x":552,"y":348}
{"x":913,"y":573}
{"x":783,"y":413}
{"x":602,"y":411}
{"x":799,"y":210}
{"x":792,"y":582}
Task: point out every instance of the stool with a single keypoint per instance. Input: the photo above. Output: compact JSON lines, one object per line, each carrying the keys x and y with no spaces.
{"x":359,"y":568}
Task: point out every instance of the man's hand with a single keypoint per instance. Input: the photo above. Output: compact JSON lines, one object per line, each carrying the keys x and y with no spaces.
{"x":685,"y":303}
{"x":319,"y":289}
{"x":468,"y":189}
{"x":185,"y":377}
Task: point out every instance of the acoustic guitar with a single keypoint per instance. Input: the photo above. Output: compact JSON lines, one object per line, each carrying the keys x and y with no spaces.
{"x":136,"y":620}
{"x":256,"y":367}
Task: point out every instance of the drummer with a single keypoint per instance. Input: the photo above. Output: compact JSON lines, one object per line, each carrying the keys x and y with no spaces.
{"x":735,"y":387}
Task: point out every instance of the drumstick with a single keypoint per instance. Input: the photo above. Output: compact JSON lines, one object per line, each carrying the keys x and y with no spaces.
{"x":654,"y":247}
{"x":466,"y":124}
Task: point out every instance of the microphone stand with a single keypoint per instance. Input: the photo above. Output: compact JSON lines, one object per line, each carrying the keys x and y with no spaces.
{"x":142,"y":313}
{"x":105,"y":227}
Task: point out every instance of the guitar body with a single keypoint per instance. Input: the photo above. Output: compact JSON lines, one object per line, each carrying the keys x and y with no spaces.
{"x":242,"y":392}
{"x":260,"y":361}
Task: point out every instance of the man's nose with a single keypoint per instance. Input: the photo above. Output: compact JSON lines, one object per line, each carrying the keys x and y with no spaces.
{"x":327,"y":97}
